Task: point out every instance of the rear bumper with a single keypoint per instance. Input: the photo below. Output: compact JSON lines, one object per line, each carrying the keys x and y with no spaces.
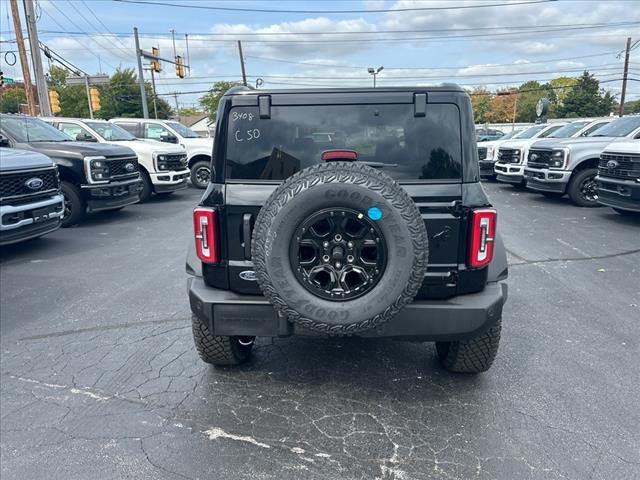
{"x":622,"y":194}
{"x":457,"y":318}
{"x":23,"y":222}
{"x":112,"y":195}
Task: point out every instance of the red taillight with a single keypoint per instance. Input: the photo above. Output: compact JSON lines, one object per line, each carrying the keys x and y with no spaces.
{"x":483,"y":232}
{"x":206,"y":229}
{"x":329,"y":155}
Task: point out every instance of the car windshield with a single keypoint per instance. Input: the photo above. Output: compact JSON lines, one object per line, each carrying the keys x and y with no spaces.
{"x":110,"y":131}
{"x":29,"y":129}
{"x":385,"y":136}
{"x":185,"y":132}
{"x":568,"y":130}
{"x":509,"y":135}
{"x":530,"y":132}
{"x":618,"y":128}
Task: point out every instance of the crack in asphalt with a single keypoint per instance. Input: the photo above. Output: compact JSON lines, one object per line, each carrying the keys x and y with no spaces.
{"x":101,"y":328}
{"x":526,"y":261}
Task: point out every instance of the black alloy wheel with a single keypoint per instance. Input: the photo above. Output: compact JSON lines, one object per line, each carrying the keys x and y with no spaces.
{"x":340,"y":254}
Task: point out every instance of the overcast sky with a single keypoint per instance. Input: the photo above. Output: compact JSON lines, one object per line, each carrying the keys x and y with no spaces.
{"x":493,"y":43}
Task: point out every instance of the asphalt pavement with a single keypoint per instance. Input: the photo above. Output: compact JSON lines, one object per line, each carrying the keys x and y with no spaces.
{"x":100,"y":379}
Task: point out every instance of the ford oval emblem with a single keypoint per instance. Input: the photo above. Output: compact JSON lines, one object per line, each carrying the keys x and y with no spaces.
{"x":34,"y":183}
{"x":534,"y":156}
{"x":129,"y":167}
{"x":249,"y":275}
{"x":611,"y":164}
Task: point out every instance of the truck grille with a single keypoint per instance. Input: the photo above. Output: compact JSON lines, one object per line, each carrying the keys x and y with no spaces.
{"x":618,"y":165}
{"x":176,"y":161}
{"x":13,"y":186}
{"x":540,"y":158}
{"x":508,"y":155}
{"x":482,"y":153}
{"x":117,"y":167}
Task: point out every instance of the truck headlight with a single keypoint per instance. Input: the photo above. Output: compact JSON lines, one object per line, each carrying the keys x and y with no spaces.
{"x":161,"y":162}
{"x":558,"y":158}
{"x":96,"y":169}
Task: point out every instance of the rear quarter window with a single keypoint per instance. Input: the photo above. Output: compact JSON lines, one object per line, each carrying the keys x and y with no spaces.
{"x":388,"y":137}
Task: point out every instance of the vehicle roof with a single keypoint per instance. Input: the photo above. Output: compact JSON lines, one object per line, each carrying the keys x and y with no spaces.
{"x":445,"y":87}
{"x":77,"y":119}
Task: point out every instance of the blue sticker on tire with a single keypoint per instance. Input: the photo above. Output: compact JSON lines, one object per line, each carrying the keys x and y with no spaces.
{"x":374,"y":213}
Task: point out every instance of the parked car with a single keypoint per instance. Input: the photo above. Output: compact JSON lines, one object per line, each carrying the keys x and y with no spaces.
{"x":488,"y":153}
{"x":198,"y":148}
{"x":569,"y":166}
{"x":163,"y":167}
{"x":618,"y":179}
{"x":509,"y":167}
{"x":93,"y":176}
{"x":30,"y":201}
{"x":488,"y":134}
{"x":386,"y":232}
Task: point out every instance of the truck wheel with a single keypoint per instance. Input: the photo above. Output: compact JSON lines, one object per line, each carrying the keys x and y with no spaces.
{"x":201,"y":174}
{"x":147,"y":187}
{"x":219,"y":350}
{"x":583,"y":190}
{"x":75,"y":208}
{"x":471,"y":356}
{"x":339,"y":248}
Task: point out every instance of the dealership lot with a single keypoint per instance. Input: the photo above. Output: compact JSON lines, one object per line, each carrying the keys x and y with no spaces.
{"x":100,"y":376}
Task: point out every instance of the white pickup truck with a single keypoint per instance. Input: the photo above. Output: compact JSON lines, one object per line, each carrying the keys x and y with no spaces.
{"x":199,"y":149}
{"x":163,"y":167}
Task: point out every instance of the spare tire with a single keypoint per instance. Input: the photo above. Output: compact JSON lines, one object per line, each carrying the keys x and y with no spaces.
{"x":339,"y":248}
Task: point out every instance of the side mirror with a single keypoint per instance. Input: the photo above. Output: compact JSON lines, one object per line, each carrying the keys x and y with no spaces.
{"x":168,"y":138}
{"x":85,"y":137}
{"x":4,"y":141}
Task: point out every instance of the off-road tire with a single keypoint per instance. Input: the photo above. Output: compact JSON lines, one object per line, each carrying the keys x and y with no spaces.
{"x":310,"y":189}
{"x":574,"y":189}
{"x":471,"y":356}
{"x":219,"y":350}
{"x":73,"y":196}
{"x":147,"y":187}
{"x":196,"y":181}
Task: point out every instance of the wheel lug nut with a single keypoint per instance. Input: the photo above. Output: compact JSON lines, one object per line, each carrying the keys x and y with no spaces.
{"x":325,"y":258}
{"x":325,"y":244}
{"x":338,"y":265}
{"x":338,"y":238}
{"x":350,"y":244}
{"x":349,"y":258}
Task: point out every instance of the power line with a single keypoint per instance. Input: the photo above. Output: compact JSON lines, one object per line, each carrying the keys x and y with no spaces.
{"x":370,"y":32}
{"x":380,"y":10}
{"x":126,"y":49}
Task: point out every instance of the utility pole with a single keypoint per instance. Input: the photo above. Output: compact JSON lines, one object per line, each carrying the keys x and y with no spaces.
{"x":244,"y":74}
{"x":38,"y":72}
{"x":186,"y":39}
{"x":86,"y":86}
{"x":155,"y":103}
{"x":624,"y":76}
{"x":143,"y":93}
{"x":175,"y":96}
{"x":22,"y":52}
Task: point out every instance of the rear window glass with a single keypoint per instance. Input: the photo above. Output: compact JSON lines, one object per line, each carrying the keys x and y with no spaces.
{"x":388,"y":137}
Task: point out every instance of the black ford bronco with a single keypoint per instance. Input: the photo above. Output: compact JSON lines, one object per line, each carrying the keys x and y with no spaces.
{"x":347,"y":212}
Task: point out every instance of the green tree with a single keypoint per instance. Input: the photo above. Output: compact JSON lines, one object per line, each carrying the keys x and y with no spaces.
{"x":11,"y":98}
{"x":186,"y":111}
{"x":561,"y":87}
{"x":481,"y":103}
{"x":586,"y":99}
{"x":528,"y":95}
{"x":121,"y":98}
{"x":210,"y":100}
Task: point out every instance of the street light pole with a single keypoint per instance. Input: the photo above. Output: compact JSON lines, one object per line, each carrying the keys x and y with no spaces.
{"x":375,"y":72}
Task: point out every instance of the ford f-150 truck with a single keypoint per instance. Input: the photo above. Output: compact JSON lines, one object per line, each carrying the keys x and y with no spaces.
{"x":569,"y":166}
{"x":618,"y":179}
{"x":198,"y":149}
{"x":94,"y":176}
{"x":30,"y":201}
{"x":163,"y":166}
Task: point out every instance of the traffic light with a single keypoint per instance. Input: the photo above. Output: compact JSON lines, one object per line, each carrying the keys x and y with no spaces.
{"x":94,"y":95}
{"x":155,"y":63}
{"x":180,"y":70}
{"x":54,"y":100}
